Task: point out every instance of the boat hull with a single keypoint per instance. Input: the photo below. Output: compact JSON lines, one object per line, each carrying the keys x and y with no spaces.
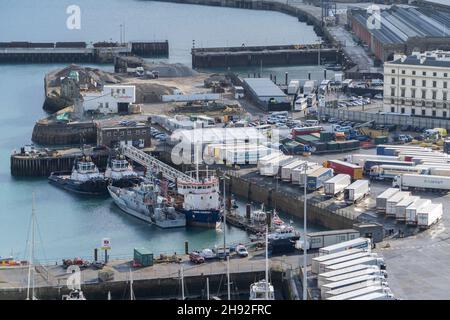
{"x":202,"y":218}
{"x":126,"y":182}
{"x":90,"y":187}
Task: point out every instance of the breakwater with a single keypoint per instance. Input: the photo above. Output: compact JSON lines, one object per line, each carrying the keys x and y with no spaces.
{"x":77,"y":52}
{"x":264,"y":55}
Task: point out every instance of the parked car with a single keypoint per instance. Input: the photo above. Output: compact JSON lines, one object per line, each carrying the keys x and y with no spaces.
{"x":196,"y":258}
{"x":208,"y":254}
{"x":241,"y":250}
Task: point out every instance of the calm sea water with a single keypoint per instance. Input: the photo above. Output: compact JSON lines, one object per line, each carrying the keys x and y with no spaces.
{"x":69,"y":225}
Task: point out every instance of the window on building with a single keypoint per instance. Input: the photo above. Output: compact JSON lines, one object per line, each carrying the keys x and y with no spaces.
{"x":413,"y":103}
{"x":424,"y":83}
{"x":413,"y":93}
{"x":392,"y":80}
{"x":402,"y":102}
{"x":424,"y":94}
{"x":434,"y":95}
{"x":123,"y":91}
{"x":445,"y":84}
{"x":444,"y":95}
{"x":424,"y":73}
{"x":413,"y":111}
{"x":392,"y":92}
{"x":434,"y":74}
{"x":445,"y":75}
{"x":423,"y":112}
{"x":403,"y":82}
{"x":413,"y":82}
{"x":393,"y":70}
{"x":392,"y":101}
{"x":392,"y":109}
{"x":106,"y":104}
{"x":433,"y":113}
{"x":423,"y":103}
{"x":403,"y":71}
{"x":444,"y":106}
{"x":402,"y":110}
{"x":117,"y":91}
{"x":402,"y":92}
{"x":101,"y":105}
{"x":444,"y":114}
{"x":434,"y":84}
{"x":414,"y":72}
{"x":434,"y":104}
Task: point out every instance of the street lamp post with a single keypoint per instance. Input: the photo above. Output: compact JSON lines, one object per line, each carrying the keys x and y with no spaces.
{"x":305,"y":278}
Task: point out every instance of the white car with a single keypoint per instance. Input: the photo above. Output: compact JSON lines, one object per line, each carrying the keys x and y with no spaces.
{"x":208,"y":254}
{"x":241,"y":250}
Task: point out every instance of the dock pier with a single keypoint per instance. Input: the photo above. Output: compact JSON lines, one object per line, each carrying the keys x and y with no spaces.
{"x":78,"y":52}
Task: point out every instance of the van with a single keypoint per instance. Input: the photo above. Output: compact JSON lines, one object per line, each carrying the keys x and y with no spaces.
{"x":312,"y":123}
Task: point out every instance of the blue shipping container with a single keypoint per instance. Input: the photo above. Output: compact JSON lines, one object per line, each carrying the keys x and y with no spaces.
{"x":380,"y":151}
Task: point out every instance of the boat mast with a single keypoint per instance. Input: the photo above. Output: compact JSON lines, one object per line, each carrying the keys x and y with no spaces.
{"x":267,"y":265}
{"x":132,"y":297}
{"x":182,"y":283}
{"x":31,"y":262}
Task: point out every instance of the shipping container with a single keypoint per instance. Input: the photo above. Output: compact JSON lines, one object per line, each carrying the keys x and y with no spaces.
{"x":356,"y":191}
{"x":422,"y":182}
{"x":316,"y":179}
{"x":348,"y":282}
{"x":429,"y":215}
{"x":392,"y":202}
{"x":315,"y":262}
{"x":355,"y":171}
{"x":143,"y":257}
{"x":381,"y":200}
{"x":359,"y":243}
{"x":305,"y":130}
{"x":400,"y":208}
{"x":411,"y":210}
{"x":337,"y":184}
{"x":317,"y":240}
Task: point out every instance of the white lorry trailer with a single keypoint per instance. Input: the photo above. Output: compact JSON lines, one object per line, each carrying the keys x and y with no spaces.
{"x":355,"y":274}
{"x":347,"y":282}
{"x":323,"y":265}
{"x":293,"y":87}
{"x":356,"y":191}
{"x":361,"y":292}
{"x":411,"y":210}
{"x":383,"y":197}
{"x":360,"y":158}
{"x":422,"y":182}
{"x":286,"y":170}
{"x":400,"y":208}
{"x":337,"y":184}
{"x":322,"y":277}
{"x":359,"y":243}
{"x":317,"y":240}
{"x":429,"y":215}
{"x":272,"y":167}
{"x":392,"y":202}
{"x":376,"y":296}
{"x":298,"y":174}
{"x":370,"y":260}
{"x":315,"y":263}
{"x":357,"y":286}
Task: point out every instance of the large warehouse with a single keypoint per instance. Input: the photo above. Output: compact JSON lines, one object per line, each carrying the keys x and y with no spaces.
{"x":402,"y":30}
{"x":266,"y":94}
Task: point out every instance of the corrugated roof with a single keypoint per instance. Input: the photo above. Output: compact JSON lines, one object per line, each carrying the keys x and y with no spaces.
{"x":264,"y":87}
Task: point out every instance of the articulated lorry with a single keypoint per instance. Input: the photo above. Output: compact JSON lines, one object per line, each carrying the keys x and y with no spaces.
{"x":411,"y":210}
{"x":359,"y":243}
{"x":422,"y":182}
{"x":337,"y":184}
{"x":356,"y":191}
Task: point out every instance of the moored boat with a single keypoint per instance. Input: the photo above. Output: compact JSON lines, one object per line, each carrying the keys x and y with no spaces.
{"x":85,"y":178}
{"x":121,"y":173}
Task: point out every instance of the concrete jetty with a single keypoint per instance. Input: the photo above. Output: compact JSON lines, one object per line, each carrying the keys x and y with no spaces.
{"x":78,"y":52}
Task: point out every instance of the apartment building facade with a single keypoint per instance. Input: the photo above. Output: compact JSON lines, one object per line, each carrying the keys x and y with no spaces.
{"x":418,"y":85}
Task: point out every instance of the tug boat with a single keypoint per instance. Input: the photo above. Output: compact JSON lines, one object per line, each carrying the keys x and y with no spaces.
{"x":121,"y":173}
{"x":199,"y":201}
{"x":146,"y":203}
{"x":85,"y":178}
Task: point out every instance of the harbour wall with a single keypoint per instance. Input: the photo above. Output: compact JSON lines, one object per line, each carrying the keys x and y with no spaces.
{"x":62,"y":133}
{"x":169,"y":287}
{"x":77,"y":52}
{"x":317,"y":213}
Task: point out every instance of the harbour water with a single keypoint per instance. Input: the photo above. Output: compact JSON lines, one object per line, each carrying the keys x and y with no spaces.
{"x":71,"y":225}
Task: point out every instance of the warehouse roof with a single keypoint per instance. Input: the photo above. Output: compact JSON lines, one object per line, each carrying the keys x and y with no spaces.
{"x":430,"y":59}
{"x":264,"y":87}
{"x":398,"y":24}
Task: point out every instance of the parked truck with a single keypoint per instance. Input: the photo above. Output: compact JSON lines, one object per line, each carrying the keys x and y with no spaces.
{"x":355,"y":171}
{"x":360,"y":158}
{"x":318,"y":240}
{"x":272,"y":167}
{"x":389,"y":172}
{"x":286,"y":170}
{"x":381,"y":200}
{"x":372,"y":260}
{"x":337,"y":184}
{"x":411,"y":210}
{"x":429,"y":215}
{"x":358,"y":273}
{"x":369,"y":163}
{"x":298,"y":174}
{"x":392,"y":202}
{"x":293,"y":87}
{"x":315,"y":262}
{"x":400,"y":207}
{"x":325,"y":264}
{"x":356,"y":191}
{"x":316,"y":179}
{"x":359,"y":243}
{"x":422,"y":182}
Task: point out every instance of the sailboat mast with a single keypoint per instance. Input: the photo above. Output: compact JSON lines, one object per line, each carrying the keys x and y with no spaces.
{"x":131,"y":286}
{"x":267,"y":264}
{"x":182,"y":283}
{"x":31,"y":262}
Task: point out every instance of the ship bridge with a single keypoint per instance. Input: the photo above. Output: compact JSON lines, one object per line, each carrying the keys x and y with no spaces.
{"x":155,"y":165}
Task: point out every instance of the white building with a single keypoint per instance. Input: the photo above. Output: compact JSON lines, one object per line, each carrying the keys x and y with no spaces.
{"x":111,"y":99}
{"x":418,"y":85}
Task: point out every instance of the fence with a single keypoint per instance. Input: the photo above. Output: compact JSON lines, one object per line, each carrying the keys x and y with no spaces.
{"x":379,"y":118}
